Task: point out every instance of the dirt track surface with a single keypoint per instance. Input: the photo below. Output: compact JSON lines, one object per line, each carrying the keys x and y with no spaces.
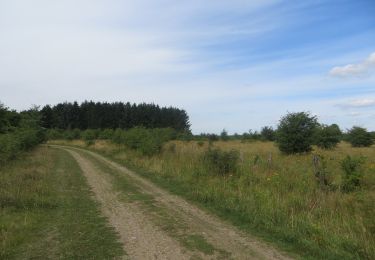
{"x":143,"y":239}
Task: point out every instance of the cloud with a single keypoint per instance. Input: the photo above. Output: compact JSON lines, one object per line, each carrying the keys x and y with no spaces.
{"x":354,"y":69}
{"x":358,"y":103}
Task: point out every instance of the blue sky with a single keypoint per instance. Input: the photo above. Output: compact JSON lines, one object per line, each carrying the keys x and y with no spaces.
{"x":236,"y":64}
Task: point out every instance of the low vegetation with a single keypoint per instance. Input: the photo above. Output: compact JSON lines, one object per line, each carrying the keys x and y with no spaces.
{"x":359,"y":137}
{"x":283,"y":198}
{"x":19,"y":132}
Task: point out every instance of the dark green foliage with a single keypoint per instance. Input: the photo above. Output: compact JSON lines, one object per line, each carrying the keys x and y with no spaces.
{"x":295,"y":132}
{"x":359,"y":137}
{"x":327,"y":137}
{"x":267,"y":133}
{"x":221,"y":162}
{"x":212,"y":137}
{"x":106,"y":134}
{"x":18,"y":132}
{"x":97,"y":115}
{"x":146,"y":141}
{"x":352,"y":176}
{"x":89,"y":136}
{"x":72,"y":134}
{"x":55,"y":134}
{"x":224,"y":135}
{"x":251,"y":136}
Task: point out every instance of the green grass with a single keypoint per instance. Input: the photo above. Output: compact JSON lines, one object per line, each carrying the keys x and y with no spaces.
{"x":281,"y":202}
{"x":47,"y":211}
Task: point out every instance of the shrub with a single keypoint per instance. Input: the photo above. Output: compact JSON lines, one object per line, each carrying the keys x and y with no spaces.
{"x":106,"y":134}
{"x":54,"y":134}
{"x":11,"y":144}
{"x":146,"y":141}
{"x":72,"y":134}
{"x":327,"y":137}
{"x":224,"y":135}
{"x":295,"y":132}
{"x":359,"y":137}
{"x":251,"y":136}
{"x":221,"y":162}
{"x":352,"y":177}
{"x":267,"y":133}
{"x":89,"y":136}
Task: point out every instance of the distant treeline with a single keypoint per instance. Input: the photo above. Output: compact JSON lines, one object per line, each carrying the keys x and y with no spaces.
{"x":104,"y":115}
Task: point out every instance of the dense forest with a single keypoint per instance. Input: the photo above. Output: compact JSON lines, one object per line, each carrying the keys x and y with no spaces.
{"x":103,"y":115}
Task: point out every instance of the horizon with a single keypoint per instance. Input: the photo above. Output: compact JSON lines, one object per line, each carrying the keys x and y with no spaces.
{"x":230,"y":65}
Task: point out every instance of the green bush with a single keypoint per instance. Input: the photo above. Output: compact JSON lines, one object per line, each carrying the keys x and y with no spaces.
{"x":89,"y":136}
{"x":106,"y":134}
{"x":55,"y":134}
{"x":352,"y":176}
{"x":11,"y":144}
{"x":146,"y":141}
{"x":221,"y":162}
{"x":359,"y":137}
{"x":72,"y":134}
{"x":327,"y":137}
{"x":267,"y":133}
{"x":224,"y":135}
{"x":295,"y":132}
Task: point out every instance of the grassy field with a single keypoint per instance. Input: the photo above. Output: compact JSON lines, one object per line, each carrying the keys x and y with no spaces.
{"x":277,"y":199}
{"x":47,"y":212}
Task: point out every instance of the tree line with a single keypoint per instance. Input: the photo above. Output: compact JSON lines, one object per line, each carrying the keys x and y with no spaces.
{"x":104,"y":115}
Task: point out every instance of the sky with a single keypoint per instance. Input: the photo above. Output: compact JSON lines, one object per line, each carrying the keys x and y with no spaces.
{"x":234,"y":65}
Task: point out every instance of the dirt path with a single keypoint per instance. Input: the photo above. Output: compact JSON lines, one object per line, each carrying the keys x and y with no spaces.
{"x":143,"y":239}
{"x":140,"y":238}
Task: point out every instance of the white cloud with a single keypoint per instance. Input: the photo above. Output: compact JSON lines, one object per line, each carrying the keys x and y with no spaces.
{"x":358,"y":103}
{"x":354,"y":69}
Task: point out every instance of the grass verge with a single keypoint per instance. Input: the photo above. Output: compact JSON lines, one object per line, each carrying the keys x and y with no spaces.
{"x":47,"y":211}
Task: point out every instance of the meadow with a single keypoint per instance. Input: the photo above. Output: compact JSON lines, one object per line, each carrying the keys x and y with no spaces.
{"x":272,"y":195}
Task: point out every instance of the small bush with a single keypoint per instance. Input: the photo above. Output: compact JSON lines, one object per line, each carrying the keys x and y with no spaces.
{"x":359,"y":137}
{"x":72,"y":134}
{"x":295,"y":132}
{"x":146,"y":141}
{"x":89,"y":136}
{"x":267,"y":133}
{"x":327,"y":137}
{"x":106,"y":134}
{"x":55,"y":134}
{"x":224,"y":135}
{"x":11,"y":144}
{"x":352,"y":176}
{"x":221,"y":162}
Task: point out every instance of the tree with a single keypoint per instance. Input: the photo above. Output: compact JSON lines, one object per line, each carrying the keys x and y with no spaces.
{"x":327,"y":137}
{"x":224,"y":135}
{"x":359,"y":137}
{"x":295,"y":132}
{"x":267,"y":133}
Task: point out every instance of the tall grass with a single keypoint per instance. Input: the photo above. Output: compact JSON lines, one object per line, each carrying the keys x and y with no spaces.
{"x":274,"y":195}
